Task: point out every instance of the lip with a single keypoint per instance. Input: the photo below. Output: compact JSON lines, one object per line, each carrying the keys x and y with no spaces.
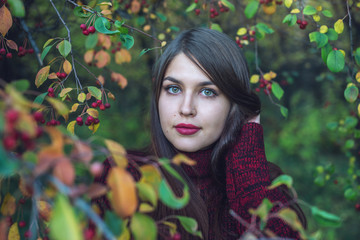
{"x":186,"y":129}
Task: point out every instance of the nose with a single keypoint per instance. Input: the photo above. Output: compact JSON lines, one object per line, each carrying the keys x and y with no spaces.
{"x":188,"y":106}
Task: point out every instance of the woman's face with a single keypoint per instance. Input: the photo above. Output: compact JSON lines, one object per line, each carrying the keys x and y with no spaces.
{"x":192,"y":109}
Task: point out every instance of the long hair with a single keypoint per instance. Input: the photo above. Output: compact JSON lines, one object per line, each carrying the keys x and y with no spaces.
{"x":222,"y":61}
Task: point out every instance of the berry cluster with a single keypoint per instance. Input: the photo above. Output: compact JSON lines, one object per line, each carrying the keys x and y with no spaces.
{"x":302,"y":23}
{"x":7,"y":54}
{"x":270,"y":1}
{"x":118,"y":48}
{"x":61,"y":75}
{"x":246,"y":38}
{"x":87,"y":30}
{"x":13,"y":138}
{"x":100,"y":104}
{"x":23,"y":51}
{"x":214,"y":10}
{"x":89,"y":120}
{"x":266,"y":85}
{"x":51,"y":92}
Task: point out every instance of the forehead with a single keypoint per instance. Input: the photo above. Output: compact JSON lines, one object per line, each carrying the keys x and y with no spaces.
{"x":185,"y":70}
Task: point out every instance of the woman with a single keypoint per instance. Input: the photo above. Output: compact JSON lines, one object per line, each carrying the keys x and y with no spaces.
{"x":203,"y":106}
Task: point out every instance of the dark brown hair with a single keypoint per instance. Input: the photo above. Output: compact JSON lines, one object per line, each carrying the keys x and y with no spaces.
{"x":222,"y":61}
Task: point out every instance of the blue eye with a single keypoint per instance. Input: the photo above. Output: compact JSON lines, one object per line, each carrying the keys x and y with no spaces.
{"x":208,"y":92}
{"x":173,"y":89}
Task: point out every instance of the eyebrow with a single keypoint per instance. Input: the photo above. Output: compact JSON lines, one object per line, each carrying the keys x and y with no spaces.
{"x":179,"y":82}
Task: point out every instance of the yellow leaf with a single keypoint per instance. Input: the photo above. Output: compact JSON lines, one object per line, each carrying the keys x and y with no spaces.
{"x":339,"y":26}
{"x":52,"y":76}
{"x":150,"y":175}
{"x":161,"y":36}
{"x":123,"y":198}
{"x":5,"y":20}
{"x":94,"y":127}
{"x":357,"y":77}
{"x":71,"y":126}
{"x":323,"y":29}
{"x":92,"y":112}
{"x":342,"y":51}
{"x":89,"y":56}
{"x":181,"y":158}
{"x":145,"y":208}
{"x":125,"y":235}
{"x":65,"y":91}
{"x":67,"y":67}
{"x":267,"y":77}
{"x":105,"y":3}
{"x":118,"y":153}
{"x":319,"y":8}
{"x":152,"y":16}
{"x":269,"y":8}
{"x":8,"y":206}
{"x":241,"y":31}
{"x":272,"y":74}
{"x":74,"y":107}
{"x":102,"y":59}
{"x":147,"y":28}
{"x":81,"y":97}
{"x":111,"y":96}
{"x":163,"y":43}
{"x":14,"y":232}
{"x":316,"y":18}
{"x":295,"y":10}
{"x":44,"y":209}
{"x":59,"y":106}
{"x":41,"y":76}
{"x":254,"y":78}
{"x":119,"y":79}
{"x":288,"y":3}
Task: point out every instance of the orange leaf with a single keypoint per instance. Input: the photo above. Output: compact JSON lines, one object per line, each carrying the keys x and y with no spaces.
{"x":52,"y":76}
{"x":5,"y":20}
{"x":181,"y":158}
{"x":64,"y":171}
{"x":120,"y":79}
{"x":44,"y":209}
{"x":41,"y":76}
{"x":11,"y":44}
{"x":135,"y":6}
{"x":102,"y":59}
{"x":89,"y":56}
{"x":8,"y":206}
{"x":101,"y":79}
{"x":110,"y":95}
{"x":82,"y":151}
{"x":118,"y":153}
{"x":88,"y":96}
{"x":269,"y":8}
{"x":47,"y":156}
{"x":123,"y":197}
{"x":122,"y":56}
{"x":67,"y":67}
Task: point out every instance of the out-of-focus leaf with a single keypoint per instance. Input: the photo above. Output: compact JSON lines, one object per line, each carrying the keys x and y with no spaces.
{"x":127,"y":41}
{"x":91,"y":41}
{"x":309,"y":10}
{"x":102,"y":59}
{"x":17,"y":8}
{"x":191,"y":7}
{"x":251,"y":8}
{"x":8,"y":206}
{"x":103,"y":25}
{"x":118,"y":153}
{"x":64,"y":171}
{"x":143,"y":227}
{"x":79,"y":12}
{"x":325,"y":219}
{"x":282,"y":179}
{"x":21,"y":85}
{"x":14,"y":232}
{"x":277,"y":90}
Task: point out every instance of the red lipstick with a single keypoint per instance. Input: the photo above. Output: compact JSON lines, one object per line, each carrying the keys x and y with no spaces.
{"x":186,"y":129}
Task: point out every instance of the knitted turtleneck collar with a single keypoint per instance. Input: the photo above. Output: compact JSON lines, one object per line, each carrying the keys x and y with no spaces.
{"x":203,"y":163}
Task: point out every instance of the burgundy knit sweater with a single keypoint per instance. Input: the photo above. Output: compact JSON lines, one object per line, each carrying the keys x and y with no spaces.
{"x":247,"y":176}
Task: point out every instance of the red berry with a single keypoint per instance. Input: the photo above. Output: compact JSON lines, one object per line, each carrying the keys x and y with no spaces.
{"x":89,"y":234}
{"x":79,"y":121}
{"x":357,"y":207}
{"x":21,"y":49}
{"x":197,"y":11}
{"x":252,"y":39}
{"x":38,"y":116}
{"x":2,"y":51}
{"x":257,"y":89}
{"x":85,"y":32}
{"x":279,"y":2}
{"x":58,"y":74}
{"x":22,"y":201}
{"x":119,"y":44}
{"x":51,"y":95}
{"x":212,"y":10}
{"x":266,"y":91}
{"x":22,"y":224}
{"x":9,"y":143}
{"x":99,"y":102}
{"x":222,"y":9}
{"x":113,"y":51}
{"x":27,"y":234}
{"x":50,"y":90}
{"x":107,"y":105}
{"x":196,"y":1}
{"x":262,"y":1}
{"x":102,"y":107}
{"x":212,"y":15}
{"x":83,"y":26}
{"x":91,"y":29}
{"x":304,"y":23}
{"x":269,"y":87}
{"x":11,"y":116}
{"x":53,"y":122}
{"x":240,"y":45}
{"x":245,"y":37}
{"x":335,"y":49}
{"x":25,"y":137}
{"x":94,"y":105}
{"x":216,"y":14}
{"x":90,"y":119}
{"x":87,"y":123}
{"x":30,"y":51}
{"x":302,"y":26}
{"x":9,"y":55}
{"x":336,"y":181}
{"x":298,"y":21}
{"x":238,"y":41}
{"x":63,"y":75}
{"x":252,"y":32}
{"x":176,"y":236}
{"x":96,"y":121}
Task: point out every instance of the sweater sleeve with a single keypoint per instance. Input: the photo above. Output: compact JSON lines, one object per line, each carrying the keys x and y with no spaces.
{"x":247,"y":176}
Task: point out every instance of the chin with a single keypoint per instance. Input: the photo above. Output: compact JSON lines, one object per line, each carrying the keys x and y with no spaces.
{"x":187,"y":147}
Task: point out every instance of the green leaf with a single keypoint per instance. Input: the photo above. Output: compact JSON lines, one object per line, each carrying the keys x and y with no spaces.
{"x":48,"y":42}
{"x":162,"y":17}
{"x":145,"y":50}
{"x":143,"y":227}
{"x":40,"y":98}
{"x":335,"y":61}
{"x":290,"y":19}
{"x":190,"y":225}
{"x":351,"y":93}
{"x":282,"y":179}
{"x":91,"y":41}
{"x":357,"y":56}
{"x":327,"y":13}
{"x":63,"y":223}
{"x":229,"y":5}
{"x":325,"y":219}
{"x":114,"y":223}
{"x":119,"y":24}
{"x":103,"y":25}
{"x":332,"y":34}
{"x":216,"y":27}
{"x":17,"y":8}
{"x":320,"y":38}
{"x":277,"y":90}
{"x":95,"y":92}
{"x":284,"y":111}
{"x":263,"y":209}
{"x":147,"y":193}
{"x":349,"y":144}
{"x":127,"y":40}
{"x":251,"y":8}
{"x":325,"y":52}
{"x":350,"y":122}
{"x":21,"y":85}
{"x":262,"y":27}
{"x":191,"y":7}
{"x":79,"y":12}
{"x":309,"y":10}
{"x":7,"y":166}
{"x":64,"y":48}
{"x":59,"y":106}
{"x":45,"y":52}
{"x":350,"y":194}
{"x":175,"y":29}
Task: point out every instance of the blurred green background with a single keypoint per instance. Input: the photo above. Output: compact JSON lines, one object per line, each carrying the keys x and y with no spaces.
{"x":303,"y":145}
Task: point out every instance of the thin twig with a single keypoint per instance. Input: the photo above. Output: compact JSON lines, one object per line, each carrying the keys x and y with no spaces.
{"x":244,"y":223}
{"x":71,"y":52}
{"x":350,"y":33}
{"x":32,"y":41}
{"x":90,"y":73}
